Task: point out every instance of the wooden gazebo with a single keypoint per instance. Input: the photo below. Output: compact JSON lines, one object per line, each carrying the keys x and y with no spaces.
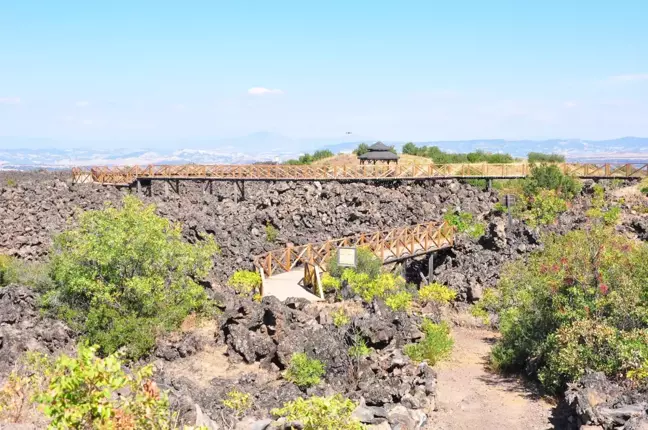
{"x":378,"y":152}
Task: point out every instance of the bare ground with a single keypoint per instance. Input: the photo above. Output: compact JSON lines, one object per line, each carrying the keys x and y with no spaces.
{"x":470,"y":396}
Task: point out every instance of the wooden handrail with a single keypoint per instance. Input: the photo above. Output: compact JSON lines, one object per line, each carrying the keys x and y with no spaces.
{"x":389,"y":245}
{"x":127,"y":175}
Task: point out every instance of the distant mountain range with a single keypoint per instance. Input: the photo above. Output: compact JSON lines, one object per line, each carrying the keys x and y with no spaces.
{"x":258,"y":147}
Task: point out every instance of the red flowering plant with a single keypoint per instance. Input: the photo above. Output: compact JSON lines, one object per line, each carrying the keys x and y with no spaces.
{"x":592,"y":280}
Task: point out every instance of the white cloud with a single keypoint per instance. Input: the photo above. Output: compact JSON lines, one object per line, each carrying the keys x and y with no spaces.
{"x":82,"y":103}
{"x":260,"y":91}
{"x":630,"y":77}
{"x":179,"y":107}
{"x":88,"y":122}
{"x":570,"y":104}
{"x":10,"y":100}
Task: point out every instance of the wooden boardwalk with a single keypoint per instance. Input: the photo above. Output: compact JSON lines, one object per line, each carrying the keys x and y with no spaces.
{"x":292,"y":271}
{"x":279,"y":172}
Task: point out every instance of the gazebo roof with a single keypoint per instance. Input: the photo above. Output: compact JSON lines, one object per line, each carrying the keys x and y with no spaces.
{"x":379,"y":146}
{"x":378,"y":155}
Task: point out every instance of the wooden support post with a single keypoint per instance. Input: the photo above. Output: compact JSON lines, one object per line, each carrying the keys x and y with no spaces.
{"x":178,"y":186}
{"x":318,"y":281}
{"x":166,"y":188}
{"x":211,"y":187}
{"x":261,"y":289}
{"x":139,"y":187}
{"x":490,"y":184}
{"x":431,"y":267}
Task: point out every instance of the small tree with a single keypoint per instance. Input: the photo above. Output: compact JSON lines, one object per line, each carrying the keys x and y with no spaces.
{"x":123,"y":275}
{"x":363,"y":148}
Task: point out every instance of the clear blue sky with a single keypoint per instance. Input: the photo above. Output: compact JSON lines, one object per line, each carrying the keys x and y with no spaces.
{"x":395,"y":70}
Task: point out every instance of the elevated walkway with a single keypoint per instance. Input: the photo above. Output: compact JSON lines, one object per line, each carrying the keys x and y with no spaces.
{"x":294,"y":270}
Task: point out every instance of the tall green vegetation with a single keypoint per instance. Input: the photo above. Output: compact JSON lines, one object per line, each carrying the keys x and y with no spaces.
{"x":21,"y":272}
{"x":539,"y":157}
{"x":308,"y":158}
{"x":442,"y":157}
{"x":321,"y":413}
{"x":581,"y":303}
{"x":362,"y":149}
{"x":84,"y":392}
{"x":435,"y":345}
{"x":123,"y":275}
{"x":465,"y":223}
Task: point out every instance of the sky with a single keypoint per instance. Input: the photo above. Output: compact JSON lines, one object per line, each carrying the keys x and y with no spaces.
{"x":149,"y":71}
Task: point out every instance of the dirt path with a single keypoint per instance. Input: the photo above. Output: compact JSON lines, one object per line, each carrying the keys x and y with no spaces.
{"x":471,"y":397}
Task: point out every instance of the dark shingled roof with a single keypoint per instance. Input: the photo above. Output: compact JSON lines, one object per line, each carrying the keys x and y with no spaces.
{"x":379,"y":146}
{"x":378,"y":155}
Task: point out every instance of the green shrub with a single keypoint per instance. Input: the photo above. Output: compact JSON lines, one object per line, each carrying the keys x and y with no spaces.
{"x":245,"y":281}
{"x":400,"y":301}
{"x":442,"y":157}
{"x":435,"y":345}
{"x":124,"y":275}
{"x":538,"y":157}
{"x":238,"y":402}
{"x":644,"y":190}
{"x":436,"y":292}
{"x":340,"y":318}
{"x":550,"y":177}
{"x":304,"y":371}
{"x":580,"y":303}
{"x":600,"y":210}
{"x":477,"y":183}
{"x":271,"y":233}
{"x":367,"y":262}
{"x":28,"y":273}
{"x":321,"y":413}
{"x":362,"y":149}
{"x":81,"y":392}
{"x":29,"y":379}
{"x":544,"y":208}
{"x":308,"y":158}
{"x":329,"y":283}
{"x":368,"y":288}
{"x":11,"y":183}
{"x":465,"y":223}
{"x":359,"y":349}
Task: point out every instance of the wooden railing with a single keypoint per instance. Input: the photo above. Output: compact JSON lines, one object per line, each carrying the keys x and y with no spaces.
{"x":389,"y":245}
{"x":261,"y":172}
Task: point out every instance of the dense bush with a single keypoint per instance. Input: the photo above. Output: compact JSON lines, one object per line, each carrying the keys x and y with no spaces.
{"x":441,"y":157}
{"x":464,"y":223}
{"x":367,"y":262}
{"x":340,"y":317}
{"x":245,"y":281}
{"x":382,"y":286}
{"x":321,"y":413}
{"x":330,"y":283}
{"x":550,"y":177}
{"x":238,"y":402}
{"x":600,"y":210}
{"x":124,"y":275}
{"x":436,"y":292}
{"x":27,"y":273}
{"x":304,"y":371}
{"x":400,"y":301}
{"x":362,"y":149}
{"x":82,"y":392}
{"x":435,"y":345}
{"x":271,"y":232}
{"x":580,"y":303}
{"x":539,"y":157}
{"x":543,"y":208}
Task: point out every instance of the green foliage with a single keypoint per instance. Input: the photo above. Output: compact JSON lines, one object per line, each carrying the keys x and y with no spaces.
{"x":435,"y":345}
{"x":600,"y":210}
{"x":238,"y":401}
{"x":366,"y":287}
{"x":477,"y":183}
{"x":436,"y":292}
{"x":400,"y":301}
{"x":362,"y":149}
{"x":304,"y":371}
{"x":538,"y":157}
{"x":11,"y":183}
{"x":440,"y":157}
{"x":309,"y":159}
{"x":465,"y":223}
{"x":544,"y":208}
{"x":580,"y":303}
{"x":485,"y":306}
{"x":367,"y":262}
{"x":271,"y":233}
{"x":29,"y":379}
{"x":329,"y":283}
{"x":550,"y":177}
{"x":124,"y":275}
{"x":644,"y":190}
{"x":245,"y":281}
{"x":27,"y":273}
{"x":321,"y":413}
{"x":359,"y":349}
{"x":82,"y":393}
{"x":340,"y":318}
